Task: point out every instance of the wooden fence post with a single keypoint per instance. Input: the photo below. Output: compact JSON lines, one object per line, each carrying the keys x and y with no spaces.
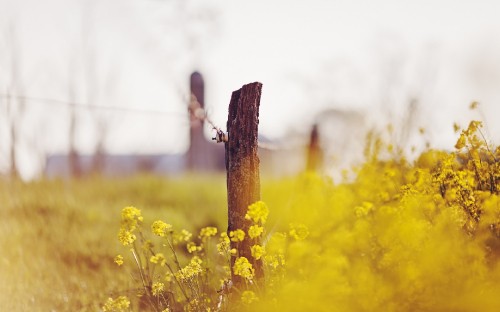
{"x":314,"y":152}
{"x":242,"y":167}
{"x":196,"y":158}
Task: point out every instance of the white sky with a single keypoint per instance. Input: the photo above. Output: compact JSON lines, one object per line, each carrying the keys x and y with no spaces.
{"x":367,"y":55}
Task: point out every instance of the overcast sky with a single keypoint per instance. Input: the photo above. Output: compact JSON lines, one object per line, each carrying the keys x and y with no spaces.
{"x":372,"y":56}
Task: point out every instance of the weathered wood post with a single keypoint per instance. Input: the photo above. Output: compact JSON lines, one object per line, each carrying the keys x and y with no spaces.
{"x":314,"y":152}
{"x":242,"y":167}
{"x":196,"y":160}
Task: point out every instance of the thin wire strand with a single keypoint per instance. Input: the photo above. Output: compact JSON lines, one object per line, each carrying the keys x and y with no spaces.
{"x":194,"y":110}
{"x":199,"y":113}
{"x":90,"y":106}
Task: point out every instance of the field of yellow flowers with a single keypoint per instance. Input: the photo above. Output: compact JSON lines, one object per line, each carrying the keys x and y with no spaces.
{"x":400,"y":236}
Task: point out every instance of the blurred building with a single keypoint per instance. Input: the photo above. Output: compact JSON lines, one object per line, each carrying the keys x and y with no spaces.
{"x":337,"y":139}
{"x":334,"y":142}
{"x":116,"y":165}
{"x":203,"y":156}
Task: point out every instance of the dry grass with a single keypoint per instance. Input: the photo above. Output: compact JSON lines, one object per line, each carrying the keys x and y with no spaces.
{"x":58,"y":238}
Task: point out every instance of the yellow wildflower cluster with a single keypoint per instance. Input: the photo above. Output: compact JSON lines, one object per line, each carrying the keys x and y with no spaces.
{"x":161,"y":228}
{"x":237,"y":235}
{"x":223,"y":246}
{"x":275,"y":261}
{"x":257,"y":251}
{"x":467,"y":177}
{"x":119,"y":304}
{"x":131,"y":219}
{"x":181,"y":237}
{"x":248,"y":296}
{"x":185,"y":235}
{"x":126,"y":237}
{"x":192,"y":247}
{"x":157,"y":288}
{"x":119,"y":260}
{"x":255,"y":231}
{"x":159,"y":258}
{"x":298,"y":231}
{"x":399,"y":236}
{"x":208,"y":231}
{"x":183,"y":283}
{"x":364,"y":209}
{"x":257,"y":212}
{"x":131,"y":216}
{"x":169,"y":277}
{"x":192,"y":270}
{"x":243,"y":268}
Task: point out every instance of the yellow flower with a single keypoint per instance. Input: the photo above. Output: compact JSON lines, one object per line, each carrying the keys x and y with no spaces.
{"x":168,"y":277}
{"x":257,"y":211}
{"x":461,"y":142}
{"x":193,"y":305}
{"x":119,"y":304}
{"x":190,"y":271}
{"x":126,"y":237}
{"x":257,"y":251}
{"x":248,"y":296}
{"x":360,"y":211}
{"x":474,"y":125}
{"x":243,"y":268}
{"x":191,"y":247}
{"x":157,"y":288}
{"x":275,"y":261}
{"x":161,"y":228}
{"x":224,"y":243}
{"x":208,"y":231}
{"x":255,"y":231}
{"x":159,"y":258}
{"x":186,"y":235}
{"x":299,"y":231}
{"x":131,"y":216}
{"x":119,"y":260}
{"x":237,"y":236}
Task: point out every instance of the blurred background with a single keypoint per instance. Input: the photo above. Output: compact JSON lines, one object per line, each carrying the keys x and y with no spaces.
{"x":104,"y":86}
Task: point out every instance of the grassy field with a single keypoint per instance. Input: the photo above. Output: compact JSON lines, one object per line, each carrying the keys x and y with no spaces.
{"x":59,"y":238}
{"x":400,"y":236}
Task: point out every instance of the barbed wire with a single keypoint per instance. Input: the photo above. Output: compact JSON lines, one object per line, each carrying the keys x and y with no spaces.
{"x":81,"y":105}
{"x":195,"y":110}
{"x":198,"y":112}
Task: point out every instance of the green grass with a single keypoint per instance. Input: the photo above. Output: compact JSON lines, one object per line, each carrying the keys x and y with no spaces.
{"x":401,"y":236}
{"x":58,"y":238}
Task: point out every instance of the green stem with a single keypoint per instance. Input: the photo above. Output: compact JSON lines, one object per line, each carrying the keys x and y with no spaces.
{"x":137,"y":261}
{"x":176,"y":260}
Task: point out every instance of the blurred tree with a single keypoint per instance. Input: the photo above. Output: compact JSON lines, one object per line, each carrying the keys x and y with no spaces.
{"x":14,"y":105}
{"x":186,"y":26}
{"x":74,"y":162}
{"x":406,"y":86}
{"x":99,"y":82}
{"x":189,"y":27}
